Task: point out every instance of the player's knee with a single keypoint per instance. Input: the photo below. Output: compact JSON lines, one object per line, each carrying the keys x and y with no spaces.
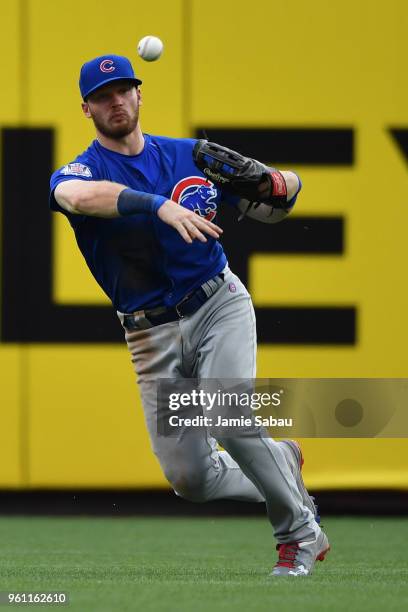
{"x":191,"y":492}
{"x":189,"y":485}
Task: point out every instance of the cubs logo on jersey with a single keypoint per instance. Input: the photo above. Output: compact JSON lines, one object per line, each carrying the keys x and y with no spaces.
{"x":198,"y":194}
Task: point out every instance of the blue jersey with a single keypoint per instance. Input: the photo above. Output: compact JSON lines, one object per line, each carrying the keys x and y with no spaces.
{"x":138,"y":260}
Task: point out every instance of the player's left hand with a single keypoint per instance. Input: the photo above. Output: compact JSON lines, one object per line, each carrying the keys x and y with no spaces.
{"x":242,"y":176}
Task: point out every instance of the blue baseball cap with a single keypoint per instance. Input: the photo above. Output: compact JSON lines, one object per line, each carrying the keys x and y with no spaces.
{"x":105,"y":69}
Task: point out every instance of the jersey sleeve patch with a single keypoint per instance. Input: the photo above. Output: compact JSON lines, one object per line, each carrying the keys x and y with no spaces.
{"x":77,"y":169}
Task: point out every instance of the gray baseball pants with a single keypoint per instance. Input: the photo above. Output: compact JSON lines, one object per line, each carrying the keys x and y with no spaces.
{"x":217,"y":341}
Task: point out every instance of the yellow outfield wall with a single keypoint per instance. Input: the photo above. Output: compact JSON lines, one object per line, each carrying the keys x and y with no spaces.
{"x":71,"y":414}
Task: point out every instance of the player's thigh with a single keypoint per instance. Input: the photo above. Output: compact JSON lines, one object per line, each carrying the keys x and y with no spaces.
{"x":156,"y":352}
{"x":227,"y":347}
{"x":186,"y":453}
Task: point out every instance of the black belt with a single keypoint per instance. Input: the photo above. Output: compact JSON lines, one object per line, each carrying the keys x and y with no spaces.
{"x":157,"y":316}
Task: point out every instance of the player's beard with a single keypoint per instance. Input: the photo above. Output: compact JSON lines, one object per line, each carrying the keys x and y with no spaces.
{"x":116,"y":132}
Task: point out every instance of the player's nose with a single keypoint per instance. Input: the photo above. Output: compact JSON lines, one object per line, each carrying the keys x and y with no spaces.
{"x":116,"y":99}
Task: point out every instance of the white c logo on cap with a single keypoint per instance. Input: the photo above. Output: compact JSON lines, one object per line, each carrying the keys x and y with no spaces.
{"x":107,"y":65}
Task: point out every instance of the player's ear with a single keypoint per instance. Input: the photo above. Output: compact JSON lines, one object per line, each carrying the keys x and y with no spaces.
{"x":139,"y":95}
{"x":85,"y":109}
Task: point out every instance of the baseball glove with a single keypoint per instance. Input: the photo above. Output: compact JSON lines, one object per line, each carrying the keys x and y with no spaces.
{"x":241,"y":175}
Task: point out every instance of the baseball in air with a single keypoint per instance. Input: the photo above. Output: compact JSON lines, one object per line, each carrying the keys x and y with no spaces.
{"x":150,"y":48}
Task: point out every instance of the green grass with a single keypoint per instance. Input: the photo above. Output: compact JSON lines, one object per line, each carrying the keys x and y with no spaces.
{"x":194,"y":565}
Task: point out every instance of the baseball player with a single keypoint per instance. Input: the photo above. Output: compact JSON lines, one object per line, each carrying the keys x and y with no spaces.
{"x":142,"y":208}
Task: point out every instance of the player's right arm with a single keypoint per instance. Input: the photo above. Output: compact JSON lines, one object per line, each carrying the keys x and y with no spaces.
{"x":101,"y":198}
{"x":92,"y":198}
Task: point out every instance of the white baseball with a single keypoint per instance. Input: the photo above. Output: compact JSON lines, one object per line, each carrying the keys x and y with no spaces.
{"x":150,"y":48}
